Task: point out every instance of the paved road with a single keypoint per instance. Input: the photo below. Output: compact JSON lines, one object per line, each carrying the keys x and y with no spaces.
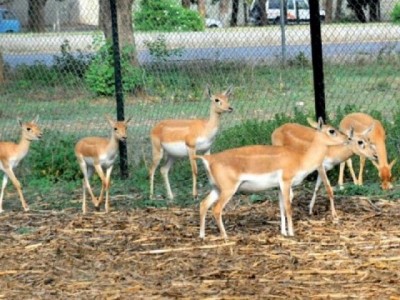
{"x":248,"y":43}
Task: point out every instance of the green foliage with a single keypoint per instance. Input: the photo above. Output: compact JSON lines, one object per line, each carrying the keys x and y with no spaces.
{"x":38,"y":74}
{"x":100,"y":75}
{"x":167,"y":16}
{"x":255,"y":132}
{"x":68,"y":63}
{"x":395,"y":14}
{"x":53,"y":158}
{"x":159,"y":49}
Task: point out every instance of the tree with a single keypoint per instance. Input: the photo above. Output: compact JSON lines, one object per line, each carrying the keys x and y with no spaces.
{"x":328,"y":11}
{"x":125,"y":26}
{"x":235,"y":12}
{"x":201,"y":7}
{"x":339,"y":10}
{"x":186,"y":3}
{"x":358,"y":6}
{"x":263,"y":17}
{"x":36,"y":22}
{"x":1,"y":68}
{"x":224,"y":12}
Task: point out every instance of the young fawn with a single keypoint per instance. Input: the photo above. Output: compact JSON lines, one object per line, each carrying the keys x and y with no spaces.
{"x":360,"y":122}
{"x":11,"y":154}
{"x":300,"y":137}
{"x":182,"y":138}
{"x":99,"y":153}
{"x":257,"y":168}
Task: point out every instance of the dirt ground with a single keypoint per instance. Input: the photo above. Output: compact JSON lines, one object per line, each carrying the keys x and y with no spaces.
{"x":156,"y":254}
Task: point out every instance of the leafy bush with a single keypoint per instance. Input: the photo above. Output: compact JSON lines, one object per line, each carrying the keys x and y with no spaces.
{"x":396,"y":13}
{"x":167,"y":16}
{"x":100,"y":75}
{"x":53,"y":158}
{"x":38,"y":74}
{"x":254,"y":132}
{"x":69,"y":63}
{"x":159,"y":50}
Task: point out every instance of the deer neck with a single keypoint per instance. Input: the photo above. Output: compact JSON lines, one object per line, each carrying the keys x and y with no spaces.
{"x":382,"y":155}
{"x":23,"y":146}
{"x":113,"y":143}
{"x":213,"y":121}
{"x":314,"y":155}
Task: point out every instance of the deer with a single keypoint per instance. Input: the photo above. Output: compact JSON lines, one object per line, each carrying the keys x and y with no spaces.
{"x":300,"y":137}
{"x":99,"y":154}
{"x":11,"y":155}
{"x":260,"y":167}
{"x":377,"y":136}
{"x":177,"y":138}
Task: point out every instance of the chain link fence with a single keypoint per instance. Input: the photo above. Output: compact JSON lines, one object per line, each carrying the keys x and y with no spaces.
{"x":55,"y":64}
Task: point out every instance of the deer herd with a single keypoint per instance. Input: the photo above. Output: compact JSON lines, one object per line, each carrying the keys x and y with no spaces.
{"x":296,"y":151}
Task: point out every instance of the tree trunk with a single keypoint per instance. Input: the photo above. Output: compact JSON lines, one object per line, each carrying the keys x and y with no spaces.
{"x":235,"y":12}
{"x":339,"y":10}
{"x":186,"y":3}
{"x":264,"y":17}
{"x":328,"y":11}
{"x":224,"y":12}
{"x":36,"y":15}
{"x":2,"y":79}
{"x":125,"y":28}
{"x":201,"y":7}
{"x":374,"y":11}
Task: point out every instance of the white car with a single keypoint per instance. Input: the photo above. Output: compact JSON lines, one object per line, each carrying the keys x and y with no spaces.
{"x":213,"y":23}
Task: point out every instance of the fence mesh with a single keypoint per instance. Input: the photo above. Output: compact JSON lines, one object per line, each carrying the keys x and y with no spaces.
{"x":54,"y":65}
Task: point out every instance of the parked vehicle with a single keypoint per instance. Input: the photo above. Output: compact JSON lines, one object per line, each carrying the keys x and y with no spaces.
{"x":9,"y":22}
{"x":297,"y":11}
{"x":213,"y":23}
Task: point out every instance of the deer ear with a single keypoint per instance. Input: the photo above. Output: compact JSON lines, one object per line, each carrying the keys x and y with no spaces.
{"x":229,"y":91}
{"x":208,"y":91}
{"x":350,"y":133}
{"x":312,"y":123}
{"x":36,"y":119}
{"x":392,"y":163}
{"x":368,"y":130}
{"x":110,"y":121}
{"x":127,"y":120}
{"x":19,"y":121}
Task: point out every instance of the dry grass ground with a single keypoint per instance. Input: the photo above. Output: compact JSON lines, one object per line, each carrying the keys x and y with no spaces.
{"x":156,"y":254}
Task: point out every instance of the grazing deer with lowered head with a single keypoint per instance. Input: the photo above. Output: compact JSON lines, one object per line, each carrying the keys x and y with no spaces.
{"x":11,"y":154}
{"x":260,"y":167}
{"x":99,"y":153}
{"x":300,"y":138}
{"x":182,"y":138}
{"x":377,"y":136}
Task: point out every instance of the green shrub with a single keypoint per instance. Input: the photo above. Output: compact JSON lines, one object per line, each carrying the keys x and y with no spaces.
{"x":254,"y":132}
{"x":396,"y":13}
{"x":100,"y":75}
{"x":53,"y":158}
{"x":159,"y":49}
{"x":167,"y":16}
{"x":68,"y":63}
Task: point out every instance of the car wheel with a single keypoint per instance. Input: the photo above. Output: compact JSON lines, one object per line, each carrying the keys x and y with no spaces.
{"x":277,"y":21}
{"x":213,"y":26}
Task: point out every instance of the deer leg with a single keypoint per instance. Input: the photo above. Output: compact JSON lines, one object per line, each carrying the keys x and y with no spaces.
{"x":224,"y":197}
{"x":193,"y":164}
{"x":322,"y":175}
{"x":3,"y":186}
{"x":349,"y":163}
{"x":314,"y":197}
{"x":108,"y":183}
{"x":87,"y":172}
{"x":157,"y":156}
{"x":204,"y":206}
{"x":164,"y":172}
{"x":360,"y":174}
{"x":100,"y":173}
{"x":284,"y":202}
{"x":9,"y":172}
{"x":341,"y":175}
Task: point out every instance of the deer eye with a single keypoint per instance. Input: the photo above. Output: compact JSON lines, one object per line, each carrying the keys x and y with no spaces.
{"x":115,"y":128}
{"x":217,"y":100}
{"x":360,"y":143}
{"x":28,"y":129}
{"x":332,"y":131}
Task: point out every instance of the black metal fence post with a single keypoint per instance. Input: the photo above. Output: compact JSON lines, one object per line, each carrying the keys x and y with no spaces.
{"x":119,"y":96}
{"x":317,"y":59}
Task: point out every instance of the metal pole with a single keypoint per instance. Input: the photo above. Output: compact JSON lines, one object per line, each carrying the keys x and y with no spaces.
{"x":119,"y":95}
{"x":283,"y":30}
{"x":317,"y":59}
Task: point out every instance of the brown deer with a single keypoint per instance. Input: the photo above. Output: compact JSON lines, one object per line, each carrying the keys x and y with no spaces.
{"x":184,"y":138}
